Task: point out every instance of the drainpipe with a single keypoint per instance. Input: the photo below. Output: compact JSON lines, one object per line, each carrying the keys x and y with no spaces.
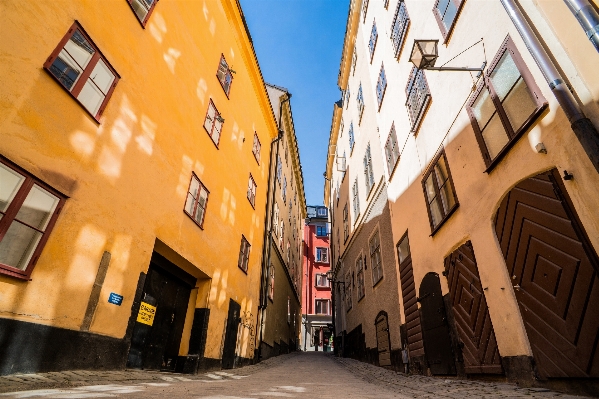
{"x":583,"y":128}
{"x":588,"y":18}
{"x":269,"y":204}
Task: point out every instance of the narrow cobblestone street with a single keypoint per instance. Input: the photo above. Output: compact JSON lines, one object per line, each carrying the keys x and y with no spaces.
{"x":288,"y":376}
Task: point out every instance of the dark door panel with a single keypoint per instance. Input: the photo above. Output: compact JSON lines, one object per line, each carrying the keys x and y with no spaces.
{"x":382,"y":339}
{"x":233,"y":320}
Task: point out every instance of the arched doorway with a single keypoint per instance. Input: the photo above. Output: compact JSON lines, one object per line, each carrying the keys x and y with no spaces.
{"x":382,"y":339}
{"x":553,"y":269}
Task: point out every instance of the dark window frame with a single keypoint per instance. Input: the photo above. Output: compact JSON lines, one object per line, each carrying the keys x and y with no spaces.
{"x":446,"y":32}
{"x":328,"y":305}
{"x":196,"y":202}
{"x":401,"y":15}
{"x":508,"y":45}
{"x":217,"y":115}
{"x":417,"y":81}
{"x":320,"y":259}
{"x":345,"y":223}
{"x":225,"y":74}
{"x":12,"y":210}
{"x":389,"y":153}
{"x":449,"y":212}
{"x":251,"y":194}
{"x":256,"y":149}
{"x":244,"y":255}
{"x":374,"y":38}
{"x":361,"y":281}
{"x":372,"y":253}
{"x":326,"y":284}
{"x":368,"y":171}
{"x":382,"y":77}
{"x":86,"y":72}
{"x":147,"y":17}
{"x":360,"y":101}
{"x":364,"y":9}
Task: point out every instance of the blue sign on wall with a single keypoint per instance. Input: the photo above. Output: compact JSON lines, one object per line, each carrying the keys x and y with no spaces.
{"x":115,"y":299}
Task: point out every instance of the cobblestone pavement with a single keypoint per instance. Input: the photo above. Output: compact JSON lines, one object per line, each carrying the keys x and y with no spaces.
{"x":299,"y":375}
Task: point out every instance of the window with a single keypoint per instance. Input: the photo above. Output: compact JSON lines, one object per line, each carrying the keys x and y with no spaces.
{"x":360,"y":276}
{"x":275,"y":228}
{"x":354,"y":61}
{"x":345,"y":223}
{"x":351,"y":140}
{"x":284,"y":191}
{"x":224,"y":75}
{"x":418,"y":97}
{"x":282,"y":235}
{"x":505,"y":104}
{"x":381,"y":86}
{"x":244,"y":254}
{"x":347,"y":95}
{"x":360,"y":100}
{"x":403,"y":249}
{"x":391,"y":150}
{"x":213,"y":123}
{"x":321,"y":212}
{"x":142,"y":9}
{"x":364,"y":9}
{"x":348,"y":291}
{"x":368,"y":173}
{"x":446,"y":12}
{"x":256,"y":148}
{"x":399,"y":27}
{"x":321,"y":231}
{"x":341,"y":128}
{"x":439,"y":192}
{"x":322,"y":255}
{"x":197,"y":198}
{"x":271,"y":282}
{"x":77,"y":64}
{"x":28,"y":211}
{"x":374,"y":35}
{"x":376,"y":263}
{"x":252,"y":191}
{"x":322,"y":306}
{"x":279,"y":169}
{"x":321,"y":280}
{"x":356,"y":200}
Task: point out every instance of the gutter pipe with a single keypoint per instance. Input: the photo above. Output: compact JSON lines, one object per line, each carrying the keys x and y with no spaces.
{"x":588,"y":18}
{"x":583,"y":128}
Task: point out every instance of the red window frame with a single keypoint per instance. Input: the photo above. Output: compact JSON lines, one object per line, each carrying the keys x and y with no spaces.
{"x":147,"y":17}
{"x":256,"y":148}
{"x":446,"y":32}
{"x":213,"y":124}
{"x":222,"y":73}
{"x":244,"y":254}
{"x":392,"y":151}
{"x":251,"y":194}
{"x":85,"y":73}
{"x":196,"y":201}
{"x":9,"y":215}
{"x":446,"y":214}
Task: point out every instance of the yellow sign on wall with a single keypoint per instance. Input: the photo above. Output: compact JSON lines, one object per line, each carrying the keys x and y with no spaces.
{"x":146,"y":314}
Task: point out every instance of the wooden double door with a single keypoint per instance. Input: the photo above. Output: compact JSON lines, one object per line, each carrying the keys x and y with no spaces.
{"x":383,"y":339}
{"x":553,"y":269}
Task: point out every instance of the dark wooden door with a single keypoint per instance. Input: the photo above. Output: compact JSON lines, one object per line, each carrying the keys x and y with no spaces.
{"x":233,"y":320}
{"x":435,"y":329}
{"x":553,"y":271}
{"x":382,"y":339}
{"x":473,"y":322}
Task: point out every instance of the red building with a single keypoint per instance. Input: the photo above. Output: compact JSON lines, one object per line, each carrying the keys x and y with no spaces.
{"x":316,"y":296}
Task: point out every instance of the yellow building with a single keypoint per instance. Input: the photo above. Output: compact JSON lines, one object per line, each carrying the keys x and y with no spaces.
{"x":132,"y":185}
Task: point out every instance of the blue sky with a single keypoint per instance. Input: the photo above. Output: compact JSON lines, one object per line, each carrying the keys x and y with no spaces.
{"x":298,"y":44}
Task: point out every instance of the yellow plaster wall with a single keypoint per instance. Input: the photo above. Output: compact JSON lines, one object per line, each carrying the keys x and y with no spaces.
{"x":127,"y":177}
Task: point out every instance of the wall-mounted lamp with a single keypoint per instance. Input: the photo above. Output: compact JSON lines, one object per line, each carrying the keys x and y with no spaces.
{"x":329,"y":275}
{"x":425,"y":53}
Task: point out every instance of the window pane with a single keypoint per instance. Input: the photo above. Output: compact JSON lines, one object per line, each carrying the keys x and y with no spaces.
{"x":403,"y":249}
{"x":65,"y":69}
{"x":79,"y":49}
{"x":37,"y":208}
{"x":441,"y":171}
{"x":519,"y":105}
{"x":436,"y":213}
{"x":483,"y":108}
{"x":141,"y":8}
{"x":91,"y":97}
{"x":450,"y":14}
{"x":102,"y":76}
{"x":18,"y":244}
{"x":442,"y":5}
{"x":495,"y":136}
{"x":10,"y":182}
{"x":447,"y":197}
{"x":504,"y":75}
{"x":430,"y":188}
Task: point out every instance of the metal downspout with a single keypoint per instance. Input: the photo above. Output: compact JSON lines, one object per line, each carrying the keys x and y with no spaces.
{"x":587,"y":17}
{"x":583,"y":128}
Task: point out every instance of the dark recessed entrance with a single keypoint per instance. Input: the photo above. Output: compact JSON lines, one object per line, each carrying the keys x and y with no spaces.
{"x":159,"y":321}
{"x":231,"y":334}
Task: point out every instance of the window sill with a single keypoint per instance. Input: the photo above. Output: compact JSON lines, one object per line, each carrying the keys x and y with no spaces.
{"x":6,"y":270}
{"x":362,"y":297}
{"x":378,"y":281}
{"x":253,"y":205}
{"x":442,"y":222}
{"x":245,"y":271}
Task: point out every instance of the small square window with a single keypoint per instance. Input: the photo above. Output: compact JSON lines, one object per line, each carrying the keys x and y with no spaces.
{"x":82,"y":70}
{"x":256,"y":148}
{"x":224,"y":75}
{"x":244,"y":254}
{"x":322,"y":255}
{"x":439,"y":192}
{"x":213,"y":123}
{"x":142,"y":9}
{"x":321,"y":280}
{"x":197,"y":199}
{"x":251,"y":194}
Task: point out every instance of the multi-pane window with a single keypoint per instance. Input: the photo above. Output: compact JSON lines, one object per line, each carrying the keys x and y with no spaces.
{"x":374,"y":35}
{"x":28,"y":211}
{"x":284,"y":191}
{"x":224,"y":75}
{"x":345,"y":223}
{"x":271,"y":282}
{"x":418,"y":97}
{"x":446,"y":12}
{"x":251,"y":194}
{"x":381,"y":86}
{"x":505,"y":103}
{"x":321,"y":280}
{"x":348,"y":291}
{"x":364,"y":9}
{"x":354,"y":61}
{"x":356,"y":199}
{"x":322,"y":255}
{"x":322,"y":306}
{"x":82,"y":70}
{"x":399,"y":27}
{"x":360,"y":277}
{"x":376,"y":263}
{"x":244,"y":254}
{"x":321,"y":212}
{"x":256,"y":148}
{"x":213,"y":123}
{"x":368,"y":172}
{"x":347,"y":96}
{"x":440,"y":195}
{"x":391,"y":150}
{"x":279,"y":169}
{"x":360,"y":101}
{"x":197,"y":198}
{"x":321,"y":231}
{"x":142,"y":9}
{"x":351,"y":139}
